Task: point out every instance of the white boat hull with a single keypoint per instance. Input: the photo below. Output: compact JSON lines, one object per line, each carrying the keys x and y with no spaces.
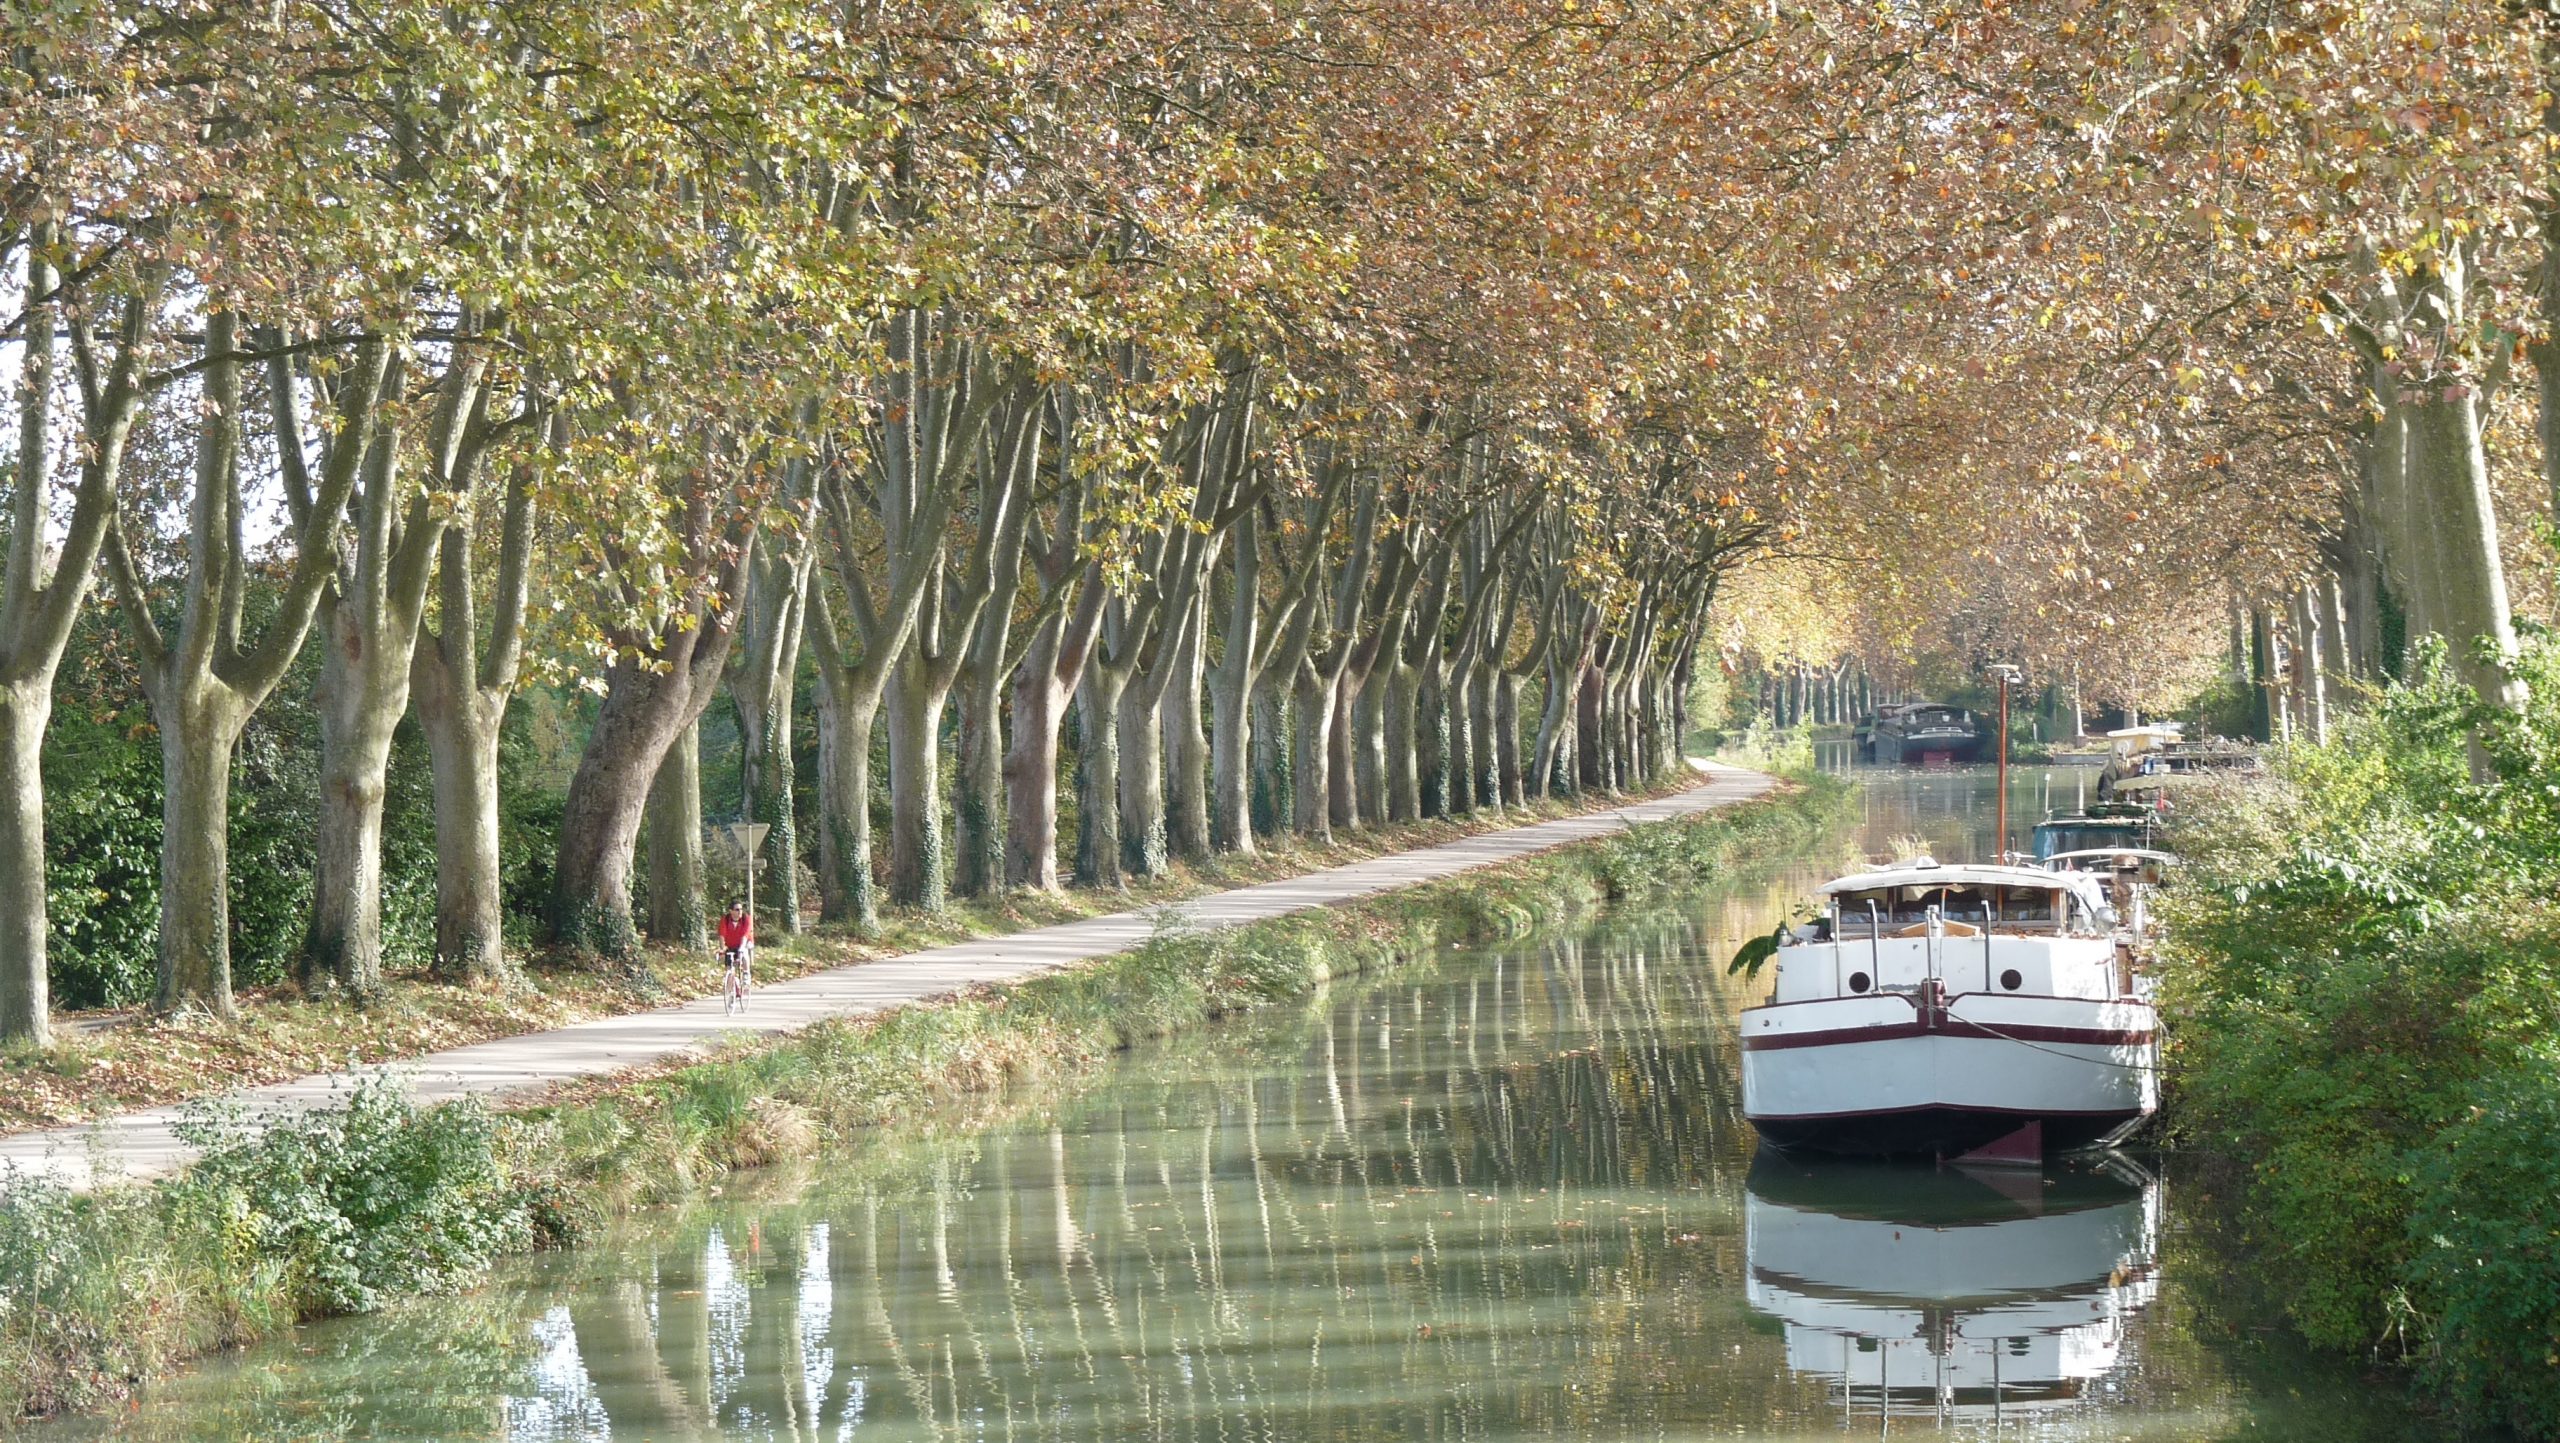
{"x":1894,"y":1073}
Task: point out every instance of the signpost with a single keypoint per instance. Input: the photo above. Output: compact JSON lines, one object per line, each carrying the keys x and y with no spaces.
{"x":745,"y":841}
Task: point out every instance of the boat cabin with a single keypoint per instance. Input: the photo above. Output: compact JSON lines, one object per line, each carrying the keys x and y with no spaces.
{"x":2000,"y":929}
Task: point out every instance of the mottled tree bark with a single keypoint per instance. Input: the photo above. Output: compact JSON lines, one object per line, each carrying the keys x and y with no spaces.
{"x":1506,"y":738}
{"x":1342,"y":786}
{"x":848,"y":711}
{"x":1140,"y":746}
{"x":1051,"y":669}
{"x":1274,"y":784}
{"x":1186,"y":744}
{"x":2310,"y":671}
{"x":677,"y":911}
{"x":25,"y":996}
{"x":1311,"y":753}
{"x":1098,"y":847}
{"x":919,"y":863}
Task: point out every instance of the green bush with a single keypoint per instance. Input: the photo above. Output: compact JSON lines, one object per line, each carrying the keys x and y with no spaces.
{"x":352,"y":1206}
{"x":337,"y":1211}
{"x":2485,"y":1236}
{"x":102,"y":856}
{"x":2365,"y":970}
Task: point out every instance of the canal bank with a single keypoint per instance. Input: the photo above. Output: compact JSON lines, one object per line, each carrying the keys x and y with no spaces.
{"x":352,"y":1207}
{"x":2363,"y":988}
{"x":1501,"y":1191}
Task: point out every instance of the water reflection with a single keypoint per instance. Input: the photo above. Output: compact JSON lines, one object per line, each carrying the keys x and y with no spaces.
{"x":1508,"y":1195}
{"x":1470,"y":1208}
{"x":1964,"y":1296}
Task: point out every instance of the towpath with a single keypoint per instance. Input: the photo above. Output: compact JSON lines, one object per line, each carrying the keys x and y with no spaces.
{"x":144,"y":1143}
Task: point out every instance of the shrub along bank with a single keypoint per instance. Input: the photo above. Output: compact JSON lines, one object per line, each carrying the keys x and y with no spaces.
{"x":344,"y":1211}
{"x":2364,"y":996}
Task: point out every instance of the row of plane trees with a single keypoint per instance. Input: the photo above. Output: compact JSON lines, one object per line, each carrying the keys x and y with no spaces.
{"x":638,"y":353}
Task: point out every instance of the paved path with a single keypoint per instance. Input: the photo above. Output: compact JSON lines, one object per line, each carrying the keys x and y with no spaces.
{"x":144,"y":1144}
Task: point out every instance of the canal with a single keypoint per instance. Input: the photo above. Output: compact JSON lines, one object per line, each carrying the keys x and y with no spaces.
{"x":1505,"y":1195}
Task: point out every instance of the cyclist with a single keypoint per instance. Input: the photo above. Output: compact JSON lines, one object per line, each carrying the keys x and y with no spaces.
{"x":737,"y":951}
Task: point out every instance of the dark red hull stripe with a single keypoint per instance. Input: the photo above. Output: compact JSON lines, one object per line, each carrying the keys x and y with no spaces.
{"x":1955,"y":1027}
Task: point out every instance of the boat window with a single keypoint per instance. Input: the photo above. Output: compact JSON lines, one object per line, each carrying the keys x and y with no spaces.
{"x":2036,"y":906}
{"x":2055,"y":838}
{"x":1902,"y":908}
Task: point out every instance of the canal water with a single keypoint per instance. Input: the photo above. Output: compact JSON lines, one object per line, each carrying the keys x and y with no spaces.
{"x":1508,"y":1194}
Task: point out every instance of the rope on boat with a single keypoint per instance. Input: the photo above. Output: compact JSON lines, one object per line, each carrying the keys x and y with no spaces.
{"x":2149,"y":1067}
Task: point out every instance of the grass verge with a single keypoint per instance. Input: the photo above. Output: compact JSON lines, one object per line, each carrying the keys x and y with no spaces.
{"x":346,"y":1210}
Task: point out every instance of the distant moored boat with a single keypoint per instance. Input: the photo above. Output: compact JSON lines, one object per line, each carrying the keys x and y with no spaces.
{"x":1925,"y":733}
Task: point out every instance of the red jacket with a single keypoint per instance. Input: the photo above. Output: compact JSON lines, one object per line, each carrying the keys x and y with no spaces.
{"x":736,"y":932}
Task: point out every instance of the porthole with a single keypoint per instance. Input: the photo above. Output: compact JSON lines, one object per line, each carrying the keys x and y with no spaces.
{"x":2011,"y":980}
{"x":1860,"y":982}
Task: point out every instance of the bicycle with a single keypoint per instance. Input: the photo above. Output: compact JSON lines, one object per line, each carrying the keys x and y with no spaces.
{"x":737,"y":968}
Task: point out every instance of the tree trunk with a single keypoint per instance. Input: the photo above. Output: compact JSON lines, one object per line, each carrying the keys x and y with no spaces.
{"x":1031,"y":769}
{"x":1342,"y":760}
{"x":2335,"y":652}
{"x":1141,"y":784}
{"x":1098,"y":856}
{"x":197,"y":736}
{"x":2271,"y":669}
{"x":1186,"y":751}
{"x":1484,"y":769}
{"x":1238,"y":787}
{"x":1506,"y":739}
{"x":764,"y":691}
{"x":1370,"y":744}
{"x":677,"y":914}
{"x":1591,"y":726}
{"x":847,"y":892}
{"x":609,"y":792}
{"x":918,"y":868}
{"x":25,"y":985}
{"x":342,"y":947}
{"x":2310,"y":680}
{"x":2450,"y":479}
{"x":1274,"y":782}
{"x":978,"y":815}
{"x":776,"y":805}
{"x":462,"y":749}
{"x":1404,"y":781}
{"x":1555,"y":769}
{"x":1447,"y":786}
{"x":1312,"y":753}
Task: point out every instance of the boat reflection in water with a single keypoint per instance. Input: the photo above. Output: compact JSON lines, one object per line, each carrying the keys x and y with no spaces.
{"x":1959,"y":1295}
